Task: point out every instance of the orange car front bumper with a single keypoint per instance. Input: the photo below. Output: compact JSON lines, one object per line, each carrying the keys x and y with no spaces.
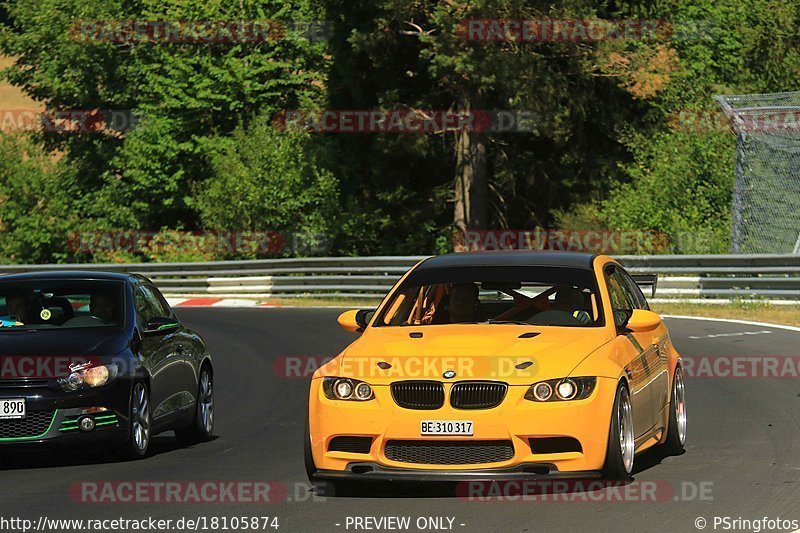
{"x":516,"y":420}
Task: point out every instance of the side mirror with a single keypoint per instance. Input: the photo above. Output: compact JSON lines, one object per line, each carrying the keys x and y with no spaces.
{"x":161,"y":325}
{"x":355,"y":320}
{"x":642,"y":320}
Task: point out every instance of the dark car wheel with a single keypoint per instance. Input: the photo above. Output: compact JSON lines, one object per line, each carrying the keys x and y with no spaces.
{"x":620,"y":451}
{"x":138,"y":441}
{"x":676,"y":432}
{"x":202,"y":427}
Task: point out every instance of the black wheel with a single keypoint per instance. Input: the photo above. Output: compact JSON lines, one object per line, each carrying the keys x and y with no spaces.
{"x":620,"y":450}
{"x":138,"y":442}
{"x":676,"y":432}
{"x":202,"y":426}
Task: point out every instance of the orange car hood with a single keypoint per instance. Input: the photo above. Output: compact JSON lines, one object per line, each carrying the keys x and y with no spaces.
{"x":471,"y":351}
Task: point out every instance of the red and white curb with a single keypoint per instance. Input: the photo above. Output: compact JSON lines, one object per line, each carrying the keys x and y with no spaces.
{"x":217,"y":302}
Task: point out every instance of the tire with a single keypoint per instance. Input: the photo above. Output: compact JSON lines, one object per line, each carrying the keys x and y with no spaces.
{"x":676,"y":431}
{"x":620,"y":449}
{"x":139,"y":428}
{"x":201,"y":428}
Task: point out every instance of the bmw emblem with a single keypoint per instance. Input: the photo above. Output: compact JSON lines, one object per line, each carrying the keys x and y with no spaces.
{"x":449,"y":374}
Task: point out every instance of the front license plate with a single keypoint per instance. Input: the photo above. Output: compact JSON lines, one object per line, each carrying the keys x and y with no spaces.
{"x":446,"y":427}
{"x":13,"y":408}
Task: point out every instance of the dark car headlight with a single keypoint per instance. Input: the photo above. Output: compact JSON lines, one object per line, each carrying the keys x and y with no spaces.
{"x":89,"y":377}
{"x":347,"y":389}
{"x":561,"y":390}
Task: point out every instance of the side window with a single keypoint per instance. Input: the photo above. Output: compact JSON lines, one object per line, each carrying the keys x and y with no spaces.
{"x":149,"y":305}
{"x":144,"y":308}
{"x":159,"y":303}
{"x":622,"y":301}
{"x":638,"y":297}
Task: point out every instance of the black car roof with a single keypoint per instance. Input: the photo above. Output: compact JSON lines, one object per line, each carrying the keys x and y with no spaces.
{"x":511,"y":258}
{"x":69,"y":274}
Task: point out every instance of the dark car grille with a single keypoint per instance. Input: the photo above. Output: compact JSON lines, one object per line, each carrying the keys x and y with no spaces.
{"x":477,"y":394}
{"x":34,"y":425}
{"x":418,"y":394}
{"x":350,"y":444}
{"x":449,"y":452}
{"x":22,"y":383}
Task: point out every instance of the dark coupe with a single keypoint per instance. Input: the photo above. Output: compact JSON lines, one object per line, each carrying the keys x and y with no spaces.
{"x":88,"y":356}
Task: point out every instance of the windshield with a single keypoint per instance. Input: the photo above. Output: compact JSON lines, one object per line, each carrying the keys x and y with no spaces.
{"x":543,"y":296}
{"x":60,"y":304}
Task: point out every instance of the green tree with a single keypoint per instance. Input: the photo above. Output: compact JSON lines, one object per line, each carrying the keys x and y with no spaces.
{"x":268,"y":180}
{"x":401,"y":54}
{"x":680,"y":179}
{"x":37,"y":206}
{"x":182,"y":93}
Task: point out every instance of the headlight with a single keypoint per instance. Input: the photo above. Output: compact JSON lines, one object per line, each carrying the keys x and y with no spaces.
{"x":363,"y":391}
{"x":565,"y":389}
{"x":347,"y":389}
{"x":343,"y":389}
{"x":96,"y":376}
{"x":542,"y":391}
{"x":89,"y":377}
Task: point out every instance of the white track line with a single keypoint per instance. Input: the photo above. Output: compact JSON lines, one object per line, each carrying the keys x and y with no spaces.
{"x":734,"y":321}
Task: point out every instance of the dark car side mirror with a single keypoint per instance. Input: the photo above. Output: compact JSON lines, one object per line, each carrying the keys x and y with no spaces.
{"x":161,"y":325}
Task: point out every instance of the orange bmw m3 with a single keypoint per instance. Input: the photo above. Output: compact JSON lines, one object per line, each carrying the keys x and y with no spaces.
{"x":499,"y":365}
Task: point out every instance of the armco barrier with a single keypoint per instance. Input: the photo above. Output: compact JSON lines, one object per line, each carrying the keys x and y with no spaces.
{"x":771,"y":277}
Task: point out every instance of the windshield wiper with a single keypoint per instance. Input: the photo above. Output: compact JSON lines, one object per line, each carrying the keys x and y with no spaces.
{"x":519,"y":322}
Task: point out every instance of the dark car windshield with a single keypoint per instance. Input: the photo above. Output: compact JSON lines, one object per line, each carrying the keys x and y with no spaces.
{"x":545,"y":296}
{"x":60,"y":304}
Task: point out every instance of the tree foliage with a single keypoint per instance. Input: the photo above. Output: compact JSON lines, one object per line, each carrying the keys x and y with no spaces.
{"x":604,"y":149}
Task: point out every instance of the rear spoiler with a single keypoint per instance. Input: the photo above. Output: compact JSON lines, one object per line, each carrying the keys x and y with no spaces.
{"x":647,"y":280}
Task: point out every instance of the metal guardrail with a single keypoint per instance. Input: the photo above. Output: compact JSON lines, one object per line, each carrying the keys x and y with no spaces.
{"x":775,"y":277}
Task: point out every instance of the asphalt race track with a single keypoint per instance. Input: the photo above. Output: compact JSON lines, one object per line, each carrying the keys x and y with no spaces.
{"x":742,"y":459}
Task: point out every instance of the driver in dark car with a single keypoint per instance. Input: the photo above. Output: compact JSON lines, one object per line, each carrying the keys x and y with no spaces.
{"x":18,"y":308}
{"x":103,"y":305}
